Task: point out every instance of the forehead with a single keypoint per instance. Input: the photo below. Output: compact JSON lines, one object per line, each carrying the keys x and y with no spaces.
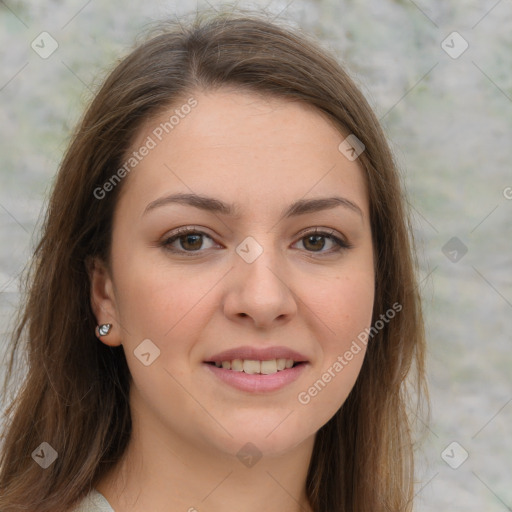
{"x":243,"y":146}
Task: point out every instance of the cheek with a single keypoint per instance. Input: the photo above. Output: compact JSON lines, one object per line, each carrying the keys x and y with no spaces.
{"x":346,"y":306}
{"x":166,"y":304}
{"x":345,"y":309}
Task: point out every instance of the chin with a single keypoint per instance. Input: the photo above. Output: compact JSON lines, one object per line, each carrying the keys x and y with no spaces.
{"x":269,"y":438}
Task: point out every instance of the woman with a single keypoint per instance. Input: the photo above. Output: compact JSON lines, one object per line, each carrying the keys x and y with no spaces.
{"x":223,"y":309}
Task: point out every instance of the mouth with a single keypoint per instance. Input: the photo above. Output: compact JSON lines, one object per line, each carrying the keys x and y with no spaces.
{"x":257,"y":376}
{"x":257,"y":367}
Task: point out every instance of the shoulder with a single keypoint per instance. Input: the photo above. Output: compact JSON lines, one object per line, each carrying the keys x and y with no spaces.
{"x":93,"y":502}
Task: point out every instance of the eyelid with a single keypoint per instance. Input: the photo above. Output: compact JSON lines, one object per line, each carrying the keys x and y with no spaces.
{"x":338,"y":239}
{"x":330,"y":232}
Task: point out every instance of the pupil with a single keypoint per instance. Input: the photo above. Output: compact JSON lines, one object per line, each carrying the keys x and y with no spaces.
{"x":197,"y":237}
{"x":315,"y":237}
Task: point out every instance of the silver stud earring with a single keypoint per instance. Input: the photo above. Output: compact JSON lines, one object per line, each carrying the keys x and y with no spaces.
{"x":103,"y":329}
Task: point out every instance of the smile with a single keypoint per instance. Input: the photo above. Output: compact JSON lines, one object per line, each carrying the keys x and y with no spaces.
{"x":249,"y":375}
{"x":252,"y":366}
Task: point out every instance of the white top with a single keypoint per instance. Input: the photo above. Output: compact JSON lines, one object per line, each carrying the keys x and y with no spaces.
{"x":93,"y":502}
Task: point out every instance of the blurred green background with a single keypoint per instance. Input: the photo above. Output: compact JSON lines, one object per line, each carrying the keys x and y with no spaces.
{"x":448,"y":116}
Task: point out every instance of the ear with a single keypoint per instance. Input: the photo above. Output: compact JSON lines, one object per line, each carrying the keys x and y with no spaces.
{"x":103,"y":301}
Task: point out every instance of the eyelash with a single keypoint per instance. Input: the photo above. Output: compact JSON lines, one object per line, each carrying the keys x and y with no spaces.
{"x":166,"y":243}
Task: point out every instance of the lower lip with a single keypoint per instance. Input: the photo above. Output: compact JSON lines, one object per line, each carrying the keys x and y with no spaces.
{"x":257,"y":383}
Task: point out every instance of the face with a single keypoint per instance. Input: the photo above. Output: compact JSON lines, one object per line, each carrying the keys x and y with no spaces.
{"x":254,"y":274}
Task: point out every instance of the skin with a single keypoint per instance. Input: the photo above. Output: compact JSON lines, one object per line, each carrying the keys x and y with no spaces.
{"x":263,"y":153}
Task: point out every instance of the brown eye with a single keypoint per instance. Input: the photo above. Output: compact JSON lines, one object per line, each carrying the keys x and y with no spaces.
{"x":188,"y":239}
{"x":315,"y":242}
{"x":193,"y":241}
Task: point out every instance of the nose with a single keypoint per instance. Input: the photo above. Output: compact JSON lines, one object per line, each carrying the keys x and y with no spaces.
{"x":260,"y":291}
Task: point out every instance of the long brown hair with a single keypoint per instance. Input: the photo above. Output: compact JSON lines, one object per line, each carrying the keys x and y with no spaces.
{"x":74,"y":394}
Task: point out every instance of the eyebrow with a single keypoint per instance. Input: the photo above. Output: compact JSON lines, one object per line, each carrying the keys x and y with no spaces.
{"x":210,"y":204}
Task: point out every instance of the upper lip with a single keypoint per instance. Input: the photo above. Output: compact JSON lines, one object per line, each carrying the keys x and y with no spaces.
{"x":257,"y":354}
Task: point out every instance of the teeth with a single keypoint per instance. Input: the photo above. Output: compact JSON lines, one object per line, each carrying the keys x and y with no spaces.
{"x":251,"y":366}
{"x":237,"y":365}
{"x":268,"y":367}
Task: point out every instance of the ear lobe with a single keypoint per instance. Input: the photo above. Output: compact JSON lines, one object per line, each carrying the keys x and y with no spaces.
{"x":103,"y":301}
